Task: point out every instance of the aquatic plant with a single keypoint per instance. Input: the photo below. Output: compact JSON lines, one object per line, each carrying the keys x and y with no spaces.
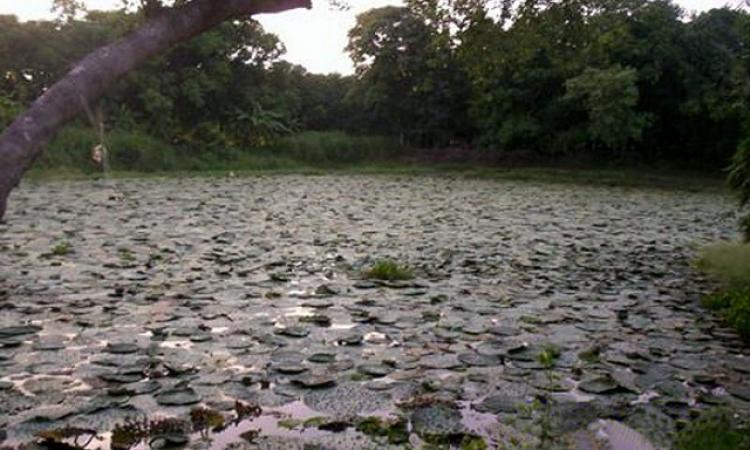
{"x":473,"y":442}
{"x":62,"y":248}
{"x":548,"y":356}
{"x":61,"y":437}
{"x":246,"y":411}
{"x":205,"y":420}
{"x":395,"y":430}
{"x":133,"y":431}
{"x":125,"y":254}
{"x":389,"y":270}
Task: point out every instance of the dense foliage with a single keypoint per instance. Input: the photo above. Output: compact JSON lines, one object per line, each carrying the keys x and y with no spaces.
{"x":739,"y":180}
{"x":717,"y":429}
{"x":535,"y":80}
{"x":223,"y":92}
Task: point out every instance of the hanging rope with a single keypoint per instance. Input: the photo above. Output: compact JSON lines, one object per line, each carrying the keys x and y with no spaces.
{"x":100,"y":152}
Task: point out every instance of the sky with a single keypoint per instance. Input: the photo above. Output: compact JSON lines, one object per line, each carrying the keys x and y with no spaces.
{"x":315,"y":39}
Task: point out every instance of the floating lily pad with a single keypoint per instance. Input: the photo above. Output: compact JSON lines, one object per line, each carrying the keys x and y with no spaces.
{"x":603,"y":384}
{"x":499,"y":403}
{"x":122,"y":348}
{"x":346,"y":400}
{"x":375,"y":370}
{"x":436,"y":421}
{"x":178,"y":397}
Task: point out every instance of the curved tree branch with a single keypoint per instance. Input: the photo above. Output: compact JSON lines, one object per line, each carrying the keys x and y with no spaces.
{"x":22,"y":142}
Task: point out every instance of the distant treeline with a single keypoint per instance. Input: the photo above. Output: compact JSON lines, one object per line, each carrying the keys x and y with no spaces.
{"x":608,"y":80}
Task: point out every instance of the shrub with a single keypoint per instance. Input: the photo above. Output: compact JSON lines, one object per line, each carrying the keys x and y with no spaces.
{"x":388,"y":270}
{"x":739,"y":180}
{"x":8,"y":111}
{"x":733,"y":304}
{"x":715,"y":430}
{"x":739,"y":172}
{"x":728,"y":263}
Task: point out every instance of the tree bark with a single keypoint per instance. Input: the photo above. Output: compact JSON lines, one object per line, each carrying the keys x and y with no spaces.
{"x":23,"y":141}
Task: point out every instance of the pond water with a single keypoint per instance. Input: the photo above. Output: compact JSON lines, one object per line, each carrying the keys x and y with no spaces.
{"x":131,"y":299}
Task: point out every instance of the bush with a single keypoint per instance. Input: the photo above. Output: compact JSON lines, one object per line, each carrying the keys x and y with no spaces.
{"x":733,"y":304}
{"x":728,"y":263}
{"x":8,"y":111}
{"x":715,"y":430}
{"x":739,"y":180}
{"x":739,"y":172}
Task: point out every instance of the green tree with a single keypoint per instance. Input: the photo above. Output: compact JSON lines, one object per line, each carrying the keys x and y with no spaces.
{"x":609,"y":97}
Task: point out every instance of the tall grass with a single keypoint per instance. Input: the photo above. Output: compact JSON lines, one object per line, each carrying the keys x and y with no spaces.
{"x":135,"y":151}
{"x":730,"y":264}
{"x":333,"y":147}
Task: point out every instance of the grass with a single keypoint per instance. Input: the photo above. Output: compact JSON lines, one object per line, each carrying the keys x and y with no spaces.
{"x":388,"y":270}
{"x":135,"y":154}
{"x":336,"y":148}
{"x":717,"y":429}
{"x":729,"y":264}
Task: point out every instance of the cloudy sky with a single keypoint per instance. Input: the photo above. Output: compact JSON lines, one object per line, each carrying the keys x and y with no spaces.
{"x":315,"y":39}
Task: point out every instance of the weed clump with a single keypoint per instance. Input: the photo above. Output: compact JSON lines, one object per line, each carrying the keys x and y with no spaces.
{"x":62,"y":248}
{"x":548,"y":356}
{"x":394,"y":430}
{"x":389,"y":270}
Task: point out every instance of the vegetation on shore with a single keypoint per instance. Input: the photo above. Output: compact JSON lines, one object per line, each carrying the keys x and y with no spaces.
{"x":729,"y":264}
{"x":717,"y":429}
{"x":540,"y":81}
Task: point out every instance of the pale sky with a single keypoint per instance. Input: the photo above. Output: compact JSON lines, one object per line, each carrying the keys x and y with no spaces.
{"x":314,"y":39}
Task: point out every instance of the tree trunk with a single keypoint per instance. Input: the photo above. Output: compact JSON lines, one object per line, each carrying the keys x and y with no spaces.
{"x":22,"y":142}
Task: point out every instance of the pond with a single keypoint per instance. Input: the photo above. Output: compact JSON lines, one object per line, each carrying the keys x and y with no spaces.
{"x":534,"y":308}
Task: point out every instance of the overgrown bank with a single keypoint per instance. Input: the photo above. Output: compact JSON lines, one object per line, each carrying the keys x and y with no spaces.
{"x":138,"y":151}
{"x":729,"y":264}
{"x":136,"y":154}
